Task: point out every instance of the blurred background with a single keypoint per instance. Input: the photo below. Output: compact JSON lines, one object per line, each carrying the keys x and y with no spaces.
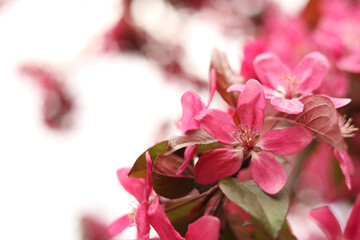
{"x":85,"y":87}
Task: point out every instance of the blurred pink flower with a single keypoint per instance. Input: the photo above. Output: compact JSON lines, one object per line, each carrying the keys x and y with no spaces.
{"x":57,"y":104}
{"x":331,"y":227}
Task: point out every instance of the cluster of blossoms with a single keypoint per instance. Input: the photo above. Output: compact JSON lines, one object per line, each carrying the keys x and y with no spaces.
{"x":282,"y":142}
{"x":234,"y":173}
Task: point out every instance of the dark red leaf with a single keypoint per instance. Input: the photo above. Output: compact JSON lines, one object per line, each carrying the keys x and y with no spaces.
{"x":225,"y":76}
{"x":196,"y":137}
{"x":165,"y":181}
{"x":320,"y":116}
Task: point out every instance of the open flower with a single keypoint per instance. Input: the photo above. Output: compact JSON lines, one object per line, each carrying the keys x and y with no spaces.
{"x":246,"y":139}
{"x":285,"y":88}
{"x":331,"y":227}
{"x":141,"y":190}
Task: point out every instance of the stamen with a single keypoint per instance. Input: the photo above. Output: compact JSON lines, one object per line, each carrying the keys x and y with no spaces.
{"x":247,"y":137}
{"x":291,"y":83}
{"x":347,"y":129}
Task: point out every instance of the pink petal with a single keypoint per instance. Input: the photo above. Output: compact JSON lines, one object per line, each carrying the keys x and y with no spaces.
{"x":251,"y":105}
{"x":327,"y":222}
{"x":311,"y":71}
{"x":350,"y":62}
{"x":217,"y":164}
{"x":191,"y":105}
{"x":270,"y":69}
{"x":251,"y":50}
{"x":286,"y":141}
{"x":209,"y":225}
{"x":291,"y":106}
{"x":346,"y":165}
{"x":188,"y":157}
{"x":212,"y":85}
{"x":267,"y":172}
{"x":119,"y":225}
{"x":148,"y":181}
{"x":141,"y":220}
{"x":269,"y":92}
{"x":161,"y":222}
{"x":338,"y":102}
{"x":218,"y":124}
{"x":352,"y":229}
{"x":134,"y":186}
{"x":236,"y":88}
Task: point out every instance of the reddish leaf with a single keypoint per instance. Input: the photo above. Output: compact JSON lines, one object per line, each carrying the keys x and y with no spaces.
{"x":320,"y":116}
{"x":225,"y":77}
{"x":165,"y":181}
{"x":312,"y":13}
{"x":196,"y":137}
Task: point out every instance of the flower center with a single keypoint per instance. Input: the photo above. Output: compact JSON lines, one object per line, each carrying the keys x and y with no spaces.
{"x":247,"y":137}
{"x":291,"y":83}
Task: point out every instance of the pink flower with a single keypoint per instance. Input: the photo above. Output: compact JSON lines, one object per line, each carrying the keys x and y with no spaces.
{"x":191,"y":105}
{"x":58,"y":105}
{"x":206,"y":227}
{"x":141,"y":190}
{"x":244,"y":139}
{"x":284,"y":88}
{"x":331,"y":227}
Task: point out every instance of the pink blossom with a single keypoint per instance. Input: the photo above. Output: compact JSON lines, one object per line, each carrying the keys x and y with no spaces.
{"x":331,"y":227}
{"x":141,"y":190}
{"x":191,"y":105}
{"x":284,"y":88}
{"x":58,"y":105}
{"x":245,"y":139}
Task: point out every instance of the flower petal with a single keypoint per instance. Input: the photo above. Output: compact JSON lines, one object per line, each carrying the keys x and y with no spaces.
{"x":352,"y":229}
{"x":286,"y":141}
{"x":119,"y":225}
{"x":327,"y":222}
{"x":191,"y":105}
{"x":311,"y":71}
{"x":218,"y":124}
{"x":209,"y":225}
{"x":346,"y":165}
{"x":291,"y":106}
{"x":270,"y":69}
{"x":161,"y":222}
{"x":141,"y":220}
{"x":350,"y":62}
{"x":251,"y":105}
{"x":148,"y":180}
{"x":236,"y":88}
{"x":338,"y":102}
{"x":217,"y":164}
{"x":267,"y":172}
{"x":188,"y":156}
{"x":134,"y":186}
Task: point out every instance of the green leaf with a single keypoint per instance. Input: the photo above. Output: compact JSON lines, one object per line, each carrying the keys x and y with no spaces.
{"x":261,"y":234}
{"x":182,"y":214}
{"x":270,"y":210}
{"x":235,"y":229}
{"x":165,"y":181}
{"x":139,"y":168}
